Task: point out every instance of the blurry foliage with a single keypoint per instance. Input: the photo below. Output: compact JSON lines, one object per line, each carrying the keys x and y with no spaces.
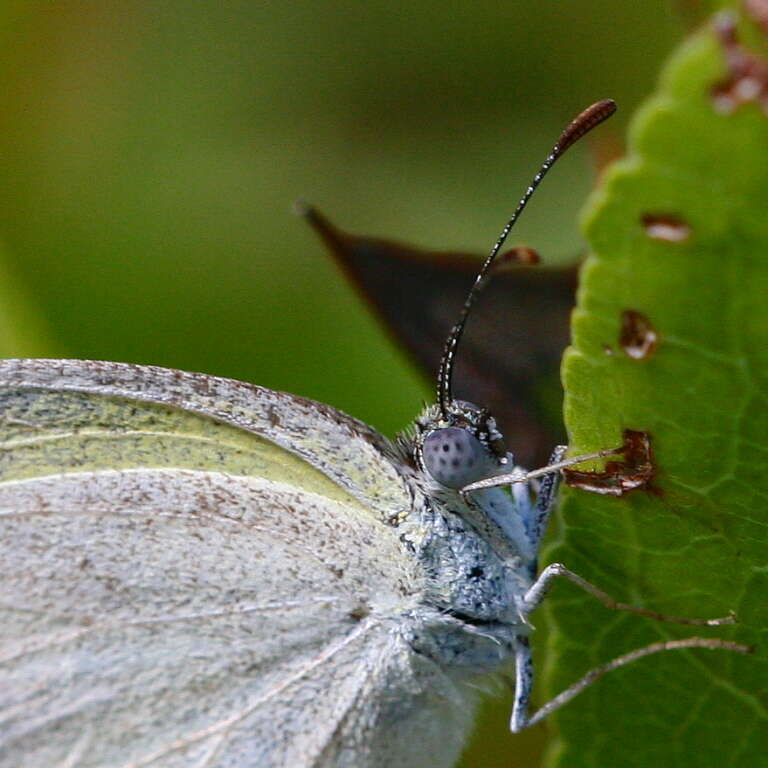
{"x":151,"y":154}
{"x":22,"y":333}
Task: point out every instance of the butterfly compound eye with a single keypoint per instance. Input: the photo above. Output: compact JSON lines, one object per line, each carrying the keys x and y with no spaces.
{"x":455,"y":457}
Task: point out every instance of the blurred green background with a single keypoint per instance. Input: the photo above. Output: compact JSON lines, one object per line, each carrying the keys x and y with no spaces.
{"x":150,"y":154}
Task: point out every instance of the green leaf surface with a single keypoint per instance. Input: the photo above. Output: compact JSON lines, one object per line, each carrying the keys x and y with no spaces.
{"x":697,"y":545}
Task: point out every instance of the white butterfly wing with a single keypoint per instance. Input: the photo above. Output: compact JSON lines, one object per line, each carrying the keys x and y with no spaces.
{"x":152,"y":399}
{"x":157,"y":611}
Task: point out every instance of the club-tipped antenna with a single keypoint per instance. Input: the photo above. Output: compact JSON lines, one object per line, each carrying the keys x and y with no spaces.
{"x":578,"y":127}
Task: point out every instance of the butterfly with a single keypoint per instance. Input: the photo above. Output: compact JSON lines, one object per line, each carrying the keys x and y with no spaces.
{"x":202,"y":572}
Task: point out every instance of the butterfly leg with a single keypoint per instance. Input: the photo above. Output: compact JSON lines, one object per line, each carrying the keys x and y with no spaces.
{"x":520,"y":718}
{"x":545,"y":500}
{"x":521,"y":494}
{"x":523,"y":684}
{"x":543,"y":583}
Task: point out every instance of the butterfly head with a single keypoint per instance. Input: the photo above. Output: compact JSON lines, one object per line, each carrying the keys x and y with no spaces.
{"x":459,"y":447}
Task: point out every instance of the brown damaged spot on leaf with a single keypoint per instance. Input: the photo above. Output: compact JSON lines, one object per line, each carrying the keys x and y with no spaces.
{"x":635,"y":472}
{"x":671,"y":229}
{"x":637,"y":337}
{"x":747,"y":78}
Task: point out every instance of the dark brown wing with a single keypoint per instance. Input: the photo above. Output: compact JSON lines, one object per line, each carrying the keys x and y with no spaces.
{"x":510,"y":354}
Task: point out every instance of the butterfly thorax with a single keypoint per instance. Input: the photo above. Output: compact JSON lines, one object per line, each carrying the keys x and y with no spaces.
{"x":473,"y":547}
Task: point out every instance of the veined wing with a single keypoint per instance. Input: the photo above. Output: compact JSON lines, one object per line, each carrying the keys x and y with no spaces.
{"x":60,"y":415}
{"x":175,"y":618}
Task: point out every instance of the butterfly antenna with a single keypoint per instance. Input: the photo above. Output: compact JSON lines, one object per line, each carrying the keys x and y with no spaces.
{"x":591,"y":117}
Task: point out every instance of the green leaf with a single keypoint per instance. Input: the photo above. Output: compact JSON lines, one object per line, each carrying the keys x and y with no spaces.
{"x":696,"y":545}
{"x":22,"y":332}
